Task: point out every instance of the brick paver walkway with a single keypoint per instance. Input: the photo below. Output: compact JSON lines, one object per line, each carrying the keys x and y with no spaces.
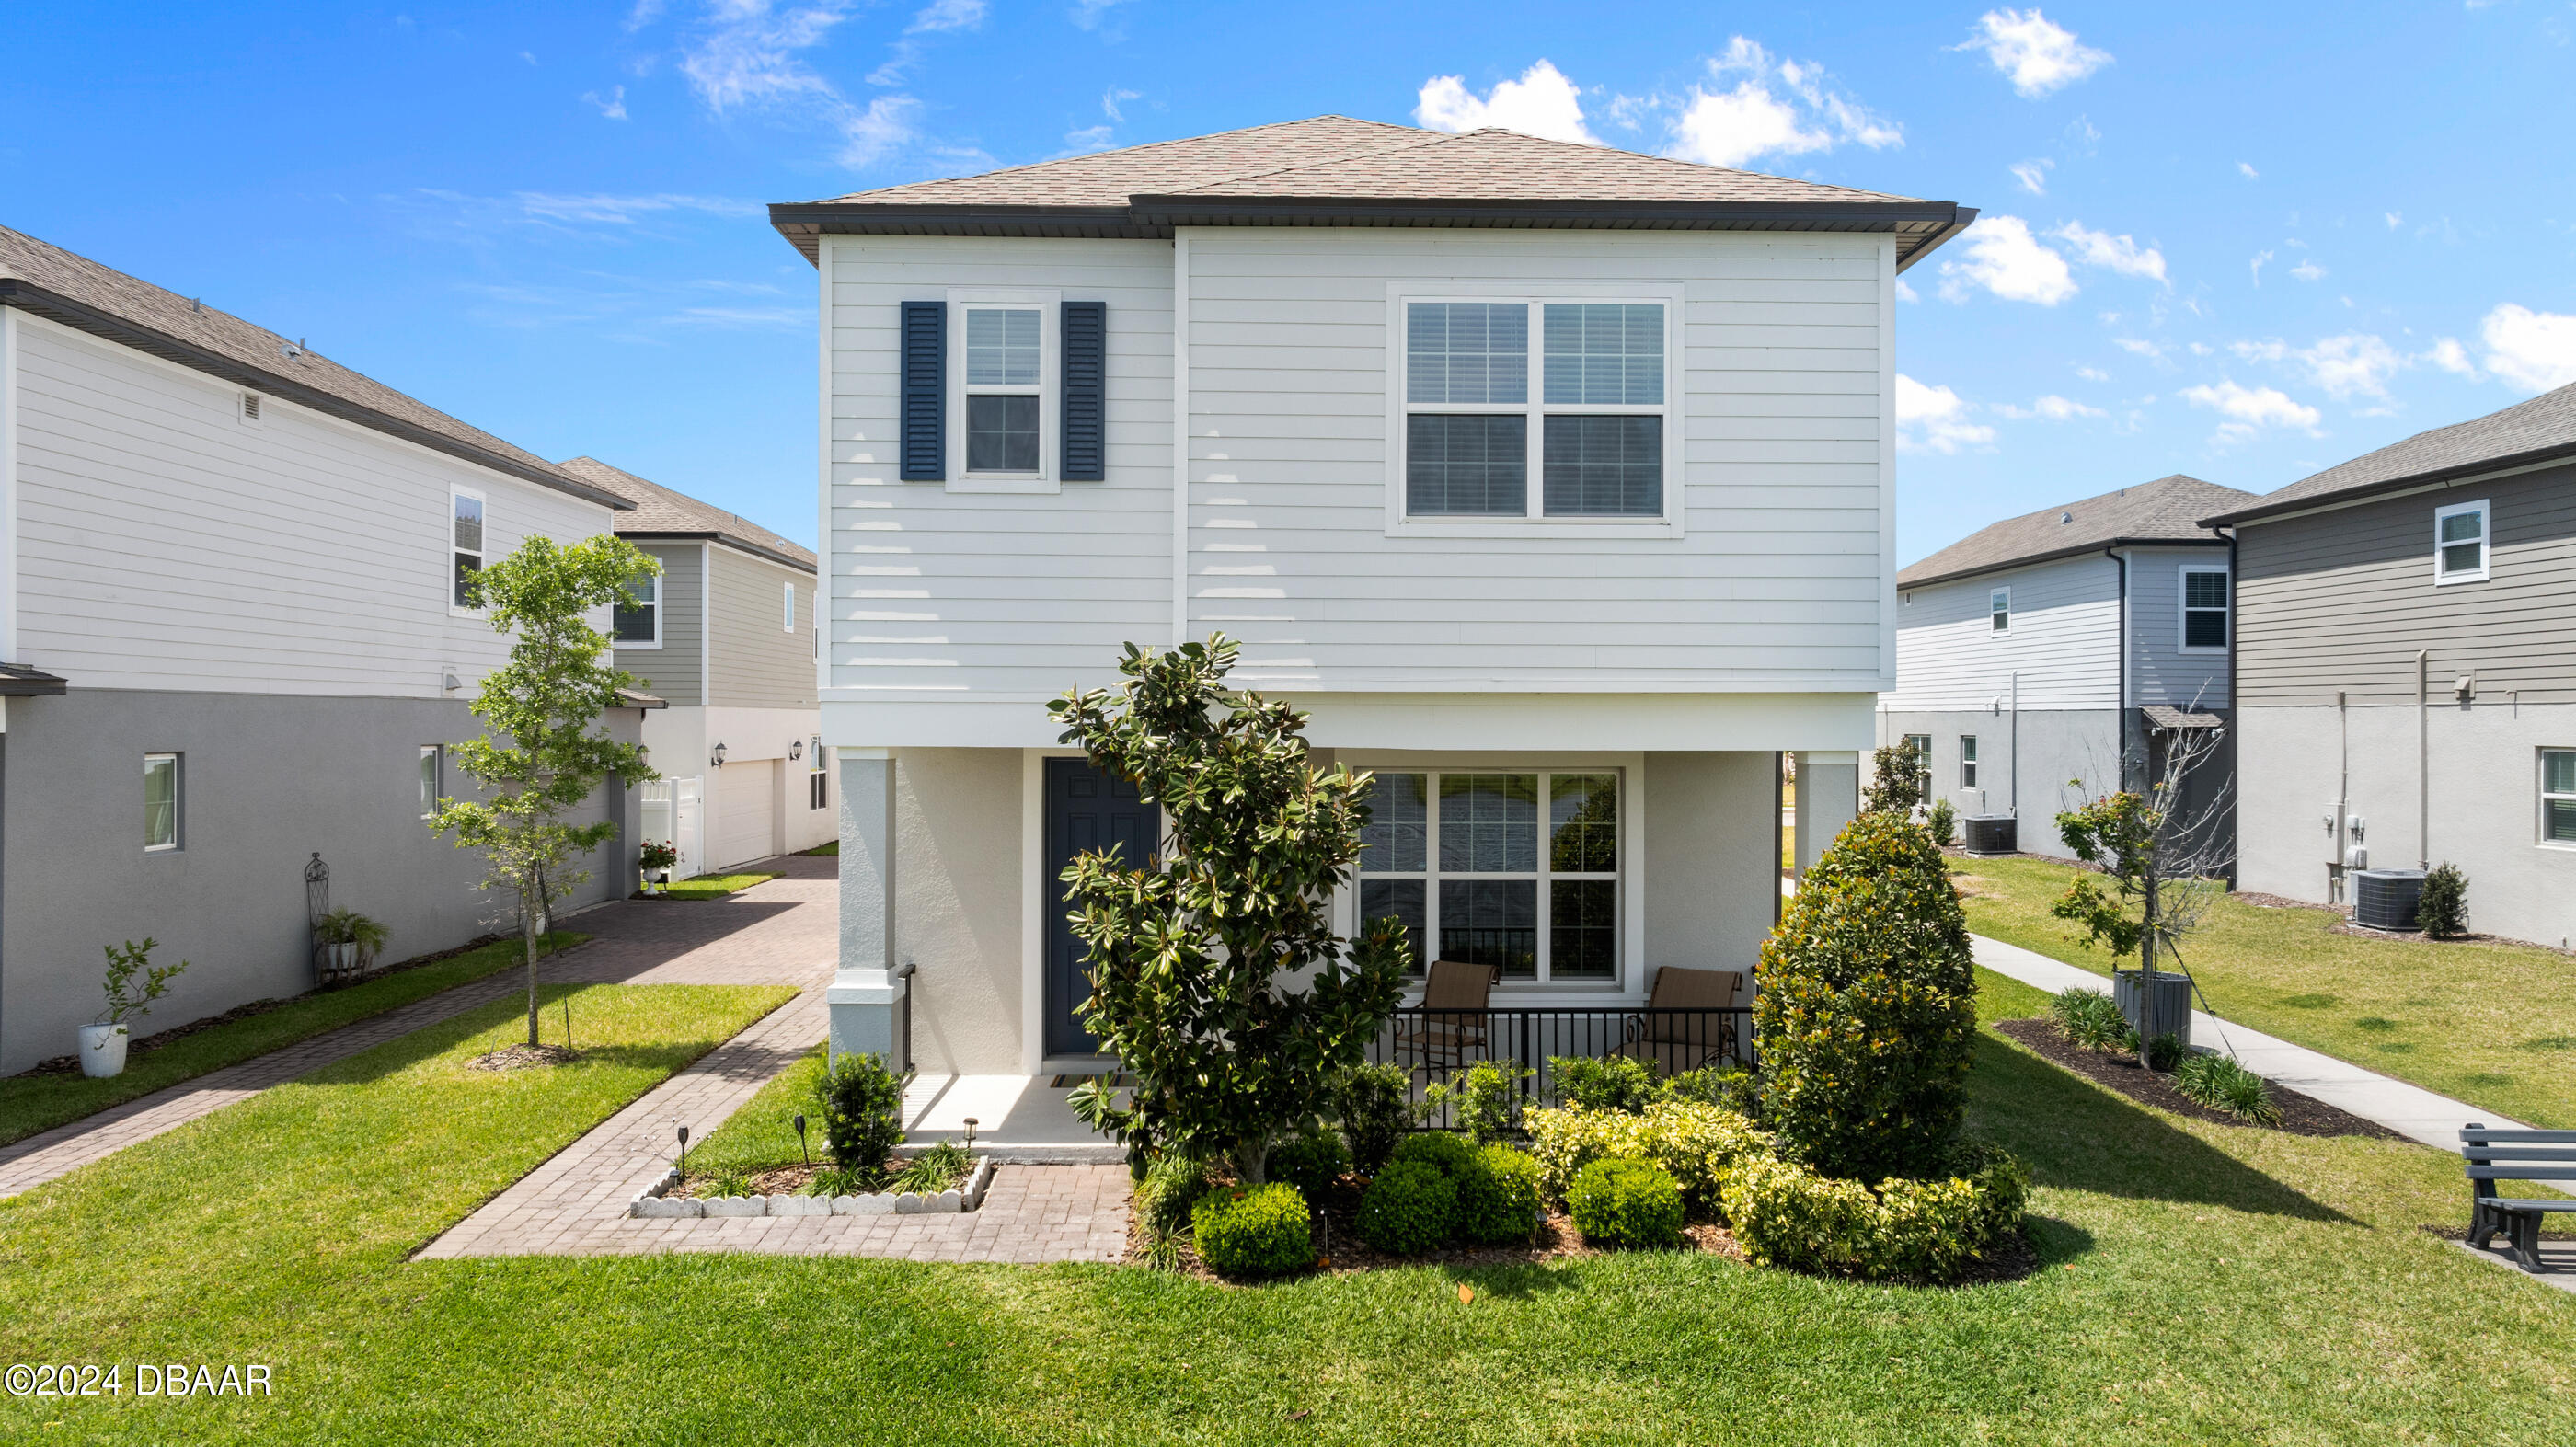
{"x":783,"y":932}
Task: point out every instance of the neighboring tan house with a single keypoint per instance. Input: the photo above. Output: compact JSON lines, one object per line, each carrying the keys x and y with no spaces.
{"x":727,"y":636}
{"x":2406,"y":669}
{"x":1554,"y":482}
{"x":232,"y":638}
{"x":2067,"y":644}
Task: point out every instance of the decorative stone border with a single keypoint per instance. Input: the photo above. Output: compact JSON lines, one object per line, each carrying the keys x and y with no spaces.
{"x":653,"y":1202}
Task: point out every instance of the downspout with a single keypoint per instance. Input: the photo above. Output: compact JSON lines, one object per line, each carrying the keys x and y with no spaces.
{"x":2121,"y":739}
{"x":2012,"y":796}
{"x":2235,"y":794}
{"x":2423,"y":760}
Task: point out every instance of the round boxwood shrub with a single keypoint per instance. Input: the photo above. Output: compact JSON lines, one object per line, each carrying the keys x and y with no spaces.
{"x":1498,"y":1196}
{"x":1410,"y":1207}
{"x":1444,"y":1151}
{"x":1867,"y":1014}
{"x":1626,"y":1203}
{"x":1253,"y":1231}
{"x":1309,"y":1162}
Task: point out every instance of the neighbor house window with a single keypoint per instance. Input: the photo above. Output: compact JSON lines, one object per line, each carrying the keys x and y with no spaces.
{"x":431,"y":760}
{"x":1004,"y":391}
{"x":2460,"y":543}
{"x":1519,"y":870}
{"x":2558,"y":796}
{"x":639,"y":617}
{"x":1921,"y":744}
{"x":465,"y":539}
{"x":1967,"y":761}
{"x":2204,"y":607}
{"x":1591,"y":431}
{"x":160,"y":802}
{"x":818,"y":793}
{"x":1999,"y":605}
{"x":787,"y":624}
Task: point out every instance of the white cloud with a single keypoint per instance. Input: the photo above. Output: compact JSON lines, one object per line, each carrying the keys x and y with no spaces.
{"x":2249,"y":410}
{"x":2532,"y":350}
{"x":2051,"y":408}
{"x":2036,"y":54}
{"x":2246,"y":168}
{"x":1541,"y":103}
{"x":624,"y":210}
{"x":644,"y":13}
{"x":1778,"y":108}
{"x":2393,"y":218}
{"x":2354,"y":364}
{"x":2139,"y":346}
{"x":2308,"y":270}
{"x":2259,"y":258}
{"x":1933,"y":419}
{"x":1110,"y":98}
{"x":748,"y":52}
{"x":1906,"y":293}
{"x":948,"y":15}
{"x":2093,"y":374}
{"x":613,"y":105}
{"x":2115,"y":253}
{"x":2450,"y":356}
{"x":1089,"y":138}
{"x":2001,"y":256}
{"x":869,"y":136}
{"x":1087,"y":14}
{"x":2033,"y":175}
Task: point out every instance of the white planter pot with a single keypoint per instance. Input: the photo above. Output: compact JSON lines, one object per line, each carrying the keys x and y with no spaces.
{"x":102,"y":1050}
{"x":344,"y":959}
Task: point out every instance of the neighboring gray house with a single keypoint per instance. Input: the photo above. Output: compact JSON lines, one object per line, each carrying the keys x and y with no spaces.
{"x":728,"y":636}
{"x":231,"y":638}
{"x":2067,"y":644}
{"x":2406,"y":668}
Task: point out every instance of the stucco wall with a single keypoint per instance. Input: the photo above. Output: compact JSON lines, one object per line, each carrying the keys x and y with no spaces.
{"x":957,"y":906}
{"x":2055,"y":745}
{"x":1712,"y":867}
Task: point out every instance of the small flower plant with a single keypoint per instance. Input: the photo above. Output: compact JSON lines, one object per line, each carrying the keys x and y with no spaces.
{"x":657,"y":859}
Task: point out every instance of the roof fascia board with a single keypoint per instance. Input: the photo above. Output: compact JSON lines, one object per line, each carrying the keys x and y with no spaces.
{"x":2395,"y":487}
{"x":2033,"y":560}
{"x":55,"y":307}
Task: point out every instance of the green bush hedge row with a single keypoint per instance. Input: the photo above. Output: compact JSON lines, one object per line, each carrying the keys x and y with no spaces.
{"x":1439,"y":1189}
{"x":1785,"y":1214}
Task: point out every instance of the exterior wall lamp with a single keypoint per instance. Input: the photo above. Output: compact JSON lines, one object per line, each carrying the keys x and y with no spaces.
{"x":716,"y":757}
{"x":796,"y":749}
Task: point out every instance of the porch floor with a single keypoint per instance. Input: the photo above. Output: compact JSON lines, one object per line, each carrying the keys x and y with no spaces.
{"x":1017,"y":1118}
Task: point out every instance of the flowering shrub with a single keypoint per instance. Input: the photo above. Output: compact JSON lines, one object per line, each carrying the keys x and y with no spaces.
{"x":1787,"y":1215}
{"x":1695,"y":1142}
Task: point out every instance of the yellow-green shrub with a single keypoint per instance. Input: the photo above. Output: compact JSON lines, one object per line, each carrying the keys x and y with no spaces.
{"x":1787,"y":1215}
{"x":1697,"y":1143}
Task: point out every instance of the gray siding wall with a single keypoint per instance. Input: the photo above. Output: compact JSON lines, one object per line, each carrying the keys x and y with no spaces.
{"x":2344,"y":599}
{"x":756,"y":660}
{"x":674,"y":671}
{"x":2064,"y":641}
{"x":2161,"y":670}
{"x":2054,"y":746}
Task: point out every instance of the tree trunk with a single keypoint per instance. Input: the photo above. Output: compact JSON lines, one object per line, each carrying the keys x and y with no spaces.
{"x":528,"y":940}
{"x":1252,"y":1162}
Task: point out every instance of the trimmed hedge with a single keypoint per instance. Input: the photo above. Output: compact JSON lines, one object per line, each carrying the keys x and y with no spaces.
{"x":1444,"y":1151}
{"x":1498,"y":1197}
{"x":1253,"y":1231}
{"x":1786,"y":1215}
{"x":1695,"y":1142}
{"x":1310,"y":1162}
{"x":1626,"y":1203}
{"x":1411,"y":1206}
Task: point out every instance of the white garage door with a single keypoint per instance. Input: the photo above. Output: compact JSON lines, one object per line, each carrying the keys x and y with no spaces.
{"x":743,"y":808}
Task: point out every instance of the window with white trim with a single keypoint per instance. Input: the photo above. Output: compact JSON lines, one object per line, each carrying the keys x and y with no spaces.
{"x":160,"y":803}
{"x":787,"y":624}
{"x":1921,"y":744}
{"x":639,"y":615}
{"x":1005,"y":389}
{"x":465,"y":541}
{"x":1999,"y":607}
{"x":1514,"y":868}
{"x":2204,"y":609}
{"x":2460,"y":543}
{"x":1967,"y":761}
{"x":2558,"y":796}
{"x":1592,"y":432}
{"x":432,"y":786}
{"x":818,"y":789}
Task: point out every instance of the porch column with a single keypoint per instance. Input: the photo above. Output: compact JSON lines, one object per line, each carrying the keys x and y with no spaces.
{"x":1828,"y":798}
{"x":866,"y":996}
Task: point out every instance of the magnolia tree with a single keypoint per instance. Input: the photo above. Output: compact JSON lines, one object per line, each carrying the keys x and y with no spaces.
{"x":1216,"y":978}
{"x":543,"y":756}
{"x":1896,"y":780}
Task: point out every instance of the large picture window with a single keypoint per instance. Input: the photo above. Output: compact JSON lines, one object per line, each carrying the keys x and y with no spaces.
{"x":1592,"y":432}
{"x":1519,"y":870}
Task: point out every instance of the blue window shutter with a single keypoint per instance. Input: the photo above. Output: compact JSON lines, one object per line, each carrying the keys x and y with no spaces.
{"x":925,"y":392}
{"x":1086,"y":391}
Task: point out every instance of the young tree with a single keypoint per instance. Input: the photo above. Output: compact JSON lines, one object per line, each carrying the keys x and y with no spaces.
{"x":541,"y":757}
{"x":1216,"y":977}
{"x":1896,"y":780}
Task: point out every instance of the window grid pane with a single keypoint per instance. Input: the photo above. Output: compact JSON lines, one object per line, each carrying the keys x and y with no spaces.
{"x":1401,"y":898}
{"x":2204,"y":628}
{"x":1399,"y":813}
{"x":1603,"y":466}
{"x":2204,"y":590}
{"x":1583,"y":929}
{"x":469,"y":523}
{"x":2462,"y":557}
{"x":160,"y":801}
{"x":1583,"y":824}
{"x":2464,"y":527}
{"x":1605,"y":354}
{"x":1490,"y":922}
{"x":1489,"y":823}
{"x":2561,"y":821}
{"x":2558,"y":771}
{"x":1001,"y":347}
{"x":1001,"y":434}
{"x":1471,"y":352}
{"x":1466,"y":465}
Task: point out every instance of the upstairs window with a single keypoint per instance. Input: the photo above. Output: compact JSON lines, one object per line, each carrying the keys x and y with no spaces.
{"x":2204,"y":608}
{"x":2558,"y":796}
{"x":160,"y":803}
{"x":465,"y":539}
{"x":1592,"y":432}
{"x":639,"y":617}
{"x":787,"y":624}
{"x":1999,"y":605}
{"x":1005,"y":367}
{"x":2460,"y":543}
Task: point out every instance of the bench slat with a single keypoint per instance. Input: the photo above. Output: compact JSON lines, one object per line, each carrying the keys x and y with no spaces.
{"x":2510,"y":1205}
{"x":2515,"y":1173}
{"x":2554,"y":1137}
{"x":2526,"y":1153}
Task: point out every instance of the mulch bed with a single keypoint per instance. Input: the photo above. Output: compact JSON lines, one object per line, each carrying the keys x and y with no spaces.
{"x":786,"y":1180}
{"x":2300,"y":1114}
{"x":523,"y":1057}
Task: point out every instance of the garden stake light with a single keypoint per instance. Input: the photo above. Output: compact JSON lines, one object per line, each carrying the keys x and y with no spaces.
{"x":684,"y":1150}
{"x":800,"y":1140}
{"x":970,"y":1132}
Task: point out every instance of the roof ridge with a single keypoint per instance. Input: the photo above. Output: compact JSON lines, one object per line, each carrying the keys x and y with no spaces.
{"x":1127,"y":151}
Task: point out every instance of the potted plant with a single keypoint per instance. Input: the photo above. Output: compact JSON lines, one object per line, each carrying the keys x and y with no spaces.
{"x":102,"y":1045}
{"x":657,"y":861}
{"x":350,"y":941}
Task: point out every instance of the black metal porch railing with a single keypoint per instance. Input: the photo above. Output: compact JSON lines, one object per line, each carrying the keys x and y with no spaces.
{"x":1436,"y":1045}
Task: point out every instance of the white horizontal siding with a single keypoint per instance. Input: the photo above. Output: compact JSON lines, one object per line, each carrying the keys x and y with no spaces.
{"x":163,"y":543}
{"x":2064,"y":642}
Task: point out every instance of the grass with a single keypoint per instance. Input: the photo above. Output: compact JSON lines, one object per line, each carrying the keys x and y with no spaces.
{"x":828,"y":850}
{"x":2201,"y":1283}
{"x":2491,"y":1024}
{"x":29,"y":1104}
{"x":715,"y":886}
{"x":763,"y":1132}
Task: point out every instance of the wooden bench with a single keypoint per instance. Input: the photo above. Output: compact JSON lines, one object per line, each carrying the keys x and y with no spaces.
{"x":2514,"y":1155}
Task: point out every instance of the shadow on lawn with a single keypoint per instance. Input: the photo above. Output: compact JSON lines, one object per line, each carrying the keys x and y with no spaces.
{"x":405,"y":1051}
{"x":2076,"y":1136}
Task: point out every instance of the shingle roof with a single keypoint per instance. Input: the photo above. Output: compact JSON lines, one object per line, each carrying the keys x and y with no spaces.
{"x":2162,"y":511}
{"x":1341,"y":171}
{"x":2524,"y":432}
{"x":661,"y":513}
{"x":42,"y":278}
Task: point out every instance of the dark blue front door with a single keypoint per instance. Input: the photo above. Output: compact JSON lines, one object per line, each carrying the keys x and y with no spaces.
{"x":1086,"y":810}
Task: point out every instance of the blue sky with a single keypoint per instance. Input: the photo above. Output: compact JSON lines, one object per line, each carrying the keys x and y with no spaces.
{"x":2240,"y":241}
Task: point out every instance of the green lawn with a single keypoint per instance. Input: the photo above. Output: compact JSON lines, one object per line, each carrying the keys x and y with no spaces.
{"x":715,"y":886}
{"x":2203,"y":1283}
{"x":2494,"y":1025}
{"x":763,"y":1131}
{"x":828,"y":850}
{"x":29,"y":1104}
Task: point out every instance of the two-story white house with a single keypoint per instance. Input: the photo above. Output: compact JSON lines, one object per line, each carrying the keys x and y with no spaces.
{"x":234,"y":637}
{"x":2052,"y":657}
{"x":1554,"y":482}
